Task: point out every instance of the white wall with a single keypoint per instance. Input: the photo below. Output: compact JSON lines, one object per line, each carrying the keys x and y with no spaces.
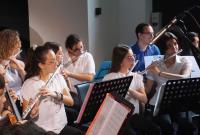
{"x":103,"y":29}
{"x":115,"y":25}
{"x":53,"y":20}
{"x":131,"y":13}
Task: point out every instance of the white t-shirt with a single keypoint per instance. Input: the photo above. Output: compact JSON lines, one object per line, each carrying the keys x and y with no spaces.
{"x":84,"y":64}
{"x":181,"y":63}
{"x":137,"y":83}
{"x":52,"y":116}
{"x":15,"y":81}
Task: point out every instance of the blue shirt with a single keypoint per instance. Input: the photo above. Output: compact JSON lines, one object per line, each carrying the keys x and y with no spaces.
{"x":151,"y":49}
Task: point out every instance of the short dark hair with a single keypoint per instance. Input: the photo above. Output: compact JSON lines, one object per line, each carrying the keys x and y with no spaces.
{"x":118,"y":54}
{"x":140,"y":28}
{"x":191,"y":36}
{"x":166,"y":37}
{"x":71,"y":41}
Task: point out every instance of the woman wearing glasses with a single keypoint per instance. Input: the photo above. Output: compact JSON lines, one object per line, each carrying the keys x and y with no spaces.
{"x":122,"y":61}
{"x":51,"y":115}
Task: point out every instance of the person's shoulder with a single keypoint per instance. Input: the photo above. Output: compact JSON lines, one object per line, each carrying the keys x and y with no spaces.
{"x":133,"y":45}
{"x":137,"y":75}
{"x":153,"y":46}
{"x":31,"y":80}
{"x":110,"y":76}
{"x":87,"y":55}
{"x":184,"y":59}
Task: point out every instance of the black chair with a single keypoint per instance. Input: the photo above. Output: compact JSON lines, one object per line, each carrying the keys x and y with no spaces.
{"x":72,"y":112}
{"x":82,"y":91}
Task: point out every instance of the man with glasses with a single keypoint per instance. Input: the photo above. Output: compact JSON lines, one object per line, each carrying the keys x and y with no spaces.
{"x":81,"y":68}
{"x":142,"y":47}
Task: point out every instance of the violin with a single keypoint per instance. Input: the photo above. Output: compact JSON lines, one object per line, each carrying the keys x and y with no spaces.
{"x":15,"y":116}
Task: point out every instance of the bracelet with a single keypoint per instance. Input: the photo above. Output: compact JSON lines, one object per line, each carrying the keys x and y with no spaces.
{"x":159,"y":73}
{"x":57,"y":96}
{"x":61,"y":97}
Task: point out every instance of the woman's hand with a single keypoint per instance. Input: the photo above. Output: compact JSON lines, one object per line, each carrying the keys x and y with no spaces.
{"x":13,"y":95}
{"x":65,"y":73}
{"x":16,"y":64}
{"x":35,"y":111}
{"x":153,"y":69}
{"x":47,"y":92}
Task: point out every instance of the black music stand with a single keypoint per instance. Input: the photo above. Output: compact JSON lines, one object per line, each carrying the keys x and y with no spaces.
{"x":178,"y":96}
{"x":96,"y":95}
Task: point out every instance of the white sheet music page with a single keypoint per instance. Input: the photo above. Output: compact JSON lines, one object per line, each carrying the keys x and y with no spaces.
{"x":109,"y":118}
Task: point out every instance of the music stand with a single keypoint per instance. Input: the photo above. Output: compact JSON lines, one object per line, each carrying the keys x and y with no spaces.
{"x":96,"y":94}
{"x":178,"y":96}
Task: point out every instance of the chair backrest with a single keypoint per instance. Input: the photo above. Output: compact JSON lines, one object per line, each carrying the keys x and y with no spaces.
{"x":103,"y":70}
{"x":82,"y":90}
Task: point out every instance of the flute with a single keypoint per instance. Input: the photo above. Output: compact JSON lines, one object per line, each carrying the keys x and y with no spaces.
{"x":73,"y":60}
{"x":133,"y":66}
{"x":161,"y":61}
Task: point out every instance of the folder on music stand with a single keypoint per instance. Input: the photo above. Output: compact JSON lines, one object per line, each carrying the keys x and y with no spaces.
{"x":105,"y":121}
{"x":96,"y":94}
{"x":178,"y":96}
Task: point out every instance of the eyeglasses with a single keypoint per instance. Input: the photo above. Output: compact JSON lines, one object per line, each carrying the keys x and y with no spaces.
{"x":148,"y":33}
{"x":51,"y":62}
{"x":131,"y":58}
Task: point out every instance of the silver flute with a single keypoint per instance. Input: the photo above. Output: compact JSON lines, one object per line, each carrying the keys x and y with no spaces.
{"x":161,"y":61}
{"x":133,"y":66}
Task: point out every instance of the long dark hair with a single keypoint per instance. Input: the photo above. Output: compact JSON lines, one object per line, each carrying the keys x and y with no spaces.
{"x":35,"y":57}
{"x":119,"y":53}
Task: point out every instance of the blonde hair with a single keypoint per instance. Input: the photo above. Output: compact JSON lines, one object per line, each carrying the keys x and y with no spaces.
{"x":9,"y":41}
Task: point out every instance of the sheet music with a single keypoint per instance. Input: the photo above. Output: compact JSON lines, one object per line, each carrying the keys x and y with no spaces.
{"x":109,"y":118}
{"x":84,"y":103}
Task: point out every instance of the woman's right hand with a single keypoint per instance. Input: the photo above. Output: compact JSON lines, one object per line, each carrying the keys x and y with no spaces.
{"x":46,"y":92}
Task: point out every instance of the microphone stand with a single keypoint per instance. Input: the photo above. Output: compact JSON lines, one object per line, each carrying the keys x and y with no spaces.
{"x":163,"y":30}
{"x":173,"y":21}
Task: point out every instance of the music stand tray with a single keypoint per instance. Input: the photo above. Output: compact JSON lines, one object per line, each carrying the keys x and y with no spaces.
{"x":178,"y":96}
{"x":96,"y":94}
